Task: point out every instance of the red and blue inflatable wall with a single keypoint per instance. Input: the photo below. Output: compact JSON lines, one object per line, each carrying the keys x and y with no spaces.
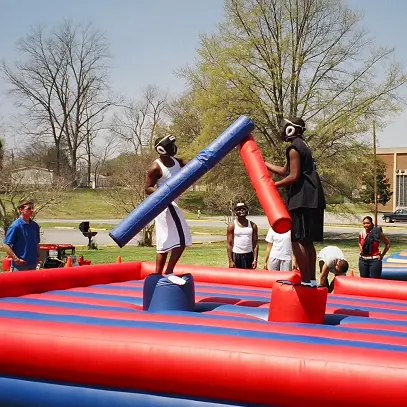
{"x":79,"y":336}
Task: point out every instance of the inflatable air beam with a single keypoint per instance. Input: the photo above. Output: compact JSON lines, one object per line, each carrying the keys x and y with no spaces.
{"x":263,"y":184}
{"x":155,"y":203}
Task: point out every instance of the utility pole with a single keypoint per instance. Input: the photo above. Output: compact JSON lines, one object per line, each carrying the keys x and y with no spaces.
{"x":374,"y":173}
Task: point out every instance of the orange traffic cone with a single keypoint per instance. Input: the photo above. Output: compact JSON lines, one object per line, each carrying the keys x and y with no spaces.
{"x":68,"y":262}
{"x":119,"y":259}
{"x":352,"y":273}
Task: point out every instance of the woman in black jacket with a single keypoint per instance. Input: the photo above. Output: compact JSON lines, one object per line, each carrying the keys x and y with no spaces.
{"x":370,"y":260}
{"x":306,"y":199}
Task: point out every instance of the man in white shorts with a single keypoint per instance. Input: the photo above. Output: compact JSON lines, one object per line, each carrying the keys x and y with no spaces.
{"x":172,"y":231}
{"x":279,"y":251}
{"x":331,"y":260}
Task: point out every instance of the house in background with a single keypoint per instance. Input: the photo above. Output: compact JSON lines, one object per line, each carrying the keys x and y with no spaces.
{"x":33,"y":176}
{"x":396,"y":171}
{"x":100,"y":181}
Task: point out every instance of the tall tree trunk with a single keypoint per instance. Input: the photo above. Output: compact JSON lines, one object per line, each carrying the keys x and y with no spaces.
{"x":89,"y":168}
{"x":58,"y":157}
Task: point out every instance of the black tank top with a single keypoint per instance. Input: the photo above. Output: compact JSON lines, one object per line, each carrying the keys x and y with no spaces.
{"x":307,"y":191}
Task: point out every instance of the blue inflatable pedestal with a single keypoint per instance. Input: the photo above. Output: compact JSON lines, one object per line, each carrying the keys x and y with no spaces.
{"x":169,"y":293}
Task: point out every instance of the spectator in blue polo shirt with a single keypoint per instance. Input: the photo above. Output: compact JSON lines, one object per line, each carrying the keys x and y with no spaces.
{"x":23,"y":238}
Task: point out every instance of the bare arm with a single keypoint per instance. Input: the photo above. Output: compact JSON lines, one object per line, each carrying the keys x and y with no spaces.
{"x":294,"y":262}
{"x":153,"y":174}
{"x":295,"y":170}
{"x":276,"y":169}
{"x":10,"y":252}
{"x":268,"y":250}
{"x":360,"y":244}
{"x":230,"y":237}
{"x":386,"y":241}
{"x":182,"y":162}
{"x":255,"y":243}
{"x":324,"y":275}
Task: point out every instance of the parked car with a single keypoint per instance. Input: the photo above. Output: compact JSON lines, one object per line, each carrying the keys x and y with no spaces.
{"x":400,"y":215}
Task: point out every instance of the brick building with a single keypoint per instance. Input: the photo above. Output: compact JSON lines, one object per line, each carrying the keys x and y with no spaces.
{"x":396,"y":163}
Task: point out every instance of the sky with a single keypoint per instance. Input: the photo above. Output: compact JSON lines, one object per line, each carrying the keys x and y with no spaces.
{"x":150,"y":39}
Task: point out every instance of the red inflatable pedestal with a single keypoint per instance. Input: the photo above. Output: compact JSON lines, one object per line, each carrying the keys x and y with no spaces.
{"x":297,"y":303}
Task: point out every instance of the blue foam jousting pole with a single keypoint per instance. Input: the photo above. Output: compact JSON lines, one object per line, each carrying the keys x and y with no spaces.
{"x":155,"y":203}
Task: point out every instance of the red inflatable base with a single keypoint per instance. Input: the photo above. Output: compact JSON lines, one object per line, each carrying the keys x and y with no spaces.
{"x":297,"y":303}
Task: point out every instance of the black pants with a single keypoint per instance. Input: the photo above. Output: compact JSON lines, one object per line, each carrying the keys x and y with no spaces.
{"x":243,"y":260}
{"x":330,"y":285}
{"x":370,"y":268}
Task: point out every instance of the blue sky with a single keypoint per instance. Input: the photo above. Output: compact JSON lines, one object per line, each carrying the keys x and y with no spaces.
{"x":150,"y":39}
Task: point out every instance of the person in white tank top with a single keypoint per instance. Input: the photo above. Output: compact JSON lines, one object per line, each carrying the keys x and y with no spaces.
{"x":172,"y":231}
{"x":242,"y":240}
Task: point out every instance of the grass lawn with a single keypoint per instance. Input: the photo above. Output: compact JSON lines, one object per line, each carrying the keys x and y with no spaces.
{"x":90,"y":204}
{"x":84,"y":203}
{"x":214,"y":254}
{"x":208,"y":254}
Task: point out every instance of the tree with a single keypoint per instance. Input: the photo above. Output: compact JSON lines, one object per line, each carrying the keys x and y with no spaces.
{"x":383,"y":185}
{"x":276,"y":58}
{"x":61,"y":85}
{"x":186,"y":121}
{"x":98,"y":156}
{"x":13,"y":189}
{"x":44,"y":155}
{"x":136,"y":125}
{"x":1,"y":153}
{"x":139,"y":122}
{"x":228,"y":184}
{"x":129,"y":177}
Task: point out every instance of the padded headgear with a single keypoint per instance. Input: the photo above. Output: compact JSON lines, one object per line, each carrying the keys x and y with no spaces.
{"x":291,"y":128}
{"x":166,"y":146}
{"x":241,"y":205}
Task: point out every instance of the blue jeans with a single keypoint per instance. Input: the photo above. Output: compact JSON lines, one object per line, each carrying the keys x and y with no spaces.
{"x":23,"y":267}
{"x":370,"y":268}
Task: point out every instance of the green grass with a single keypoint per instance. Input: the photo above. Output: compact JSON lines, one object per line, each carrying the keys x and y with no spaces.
{"x":75,"y":225}
{"x":214,"y":254}
{"x":356,"y":208}
{"x":203,"y":254}
{"x":93,"y":204}
{"x":82,"y":204}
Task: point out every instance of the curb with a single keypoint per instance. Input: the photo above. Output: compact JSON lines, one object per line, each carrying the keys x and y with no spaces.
{"x":210,"y":242}
{"x":61,"y":227}
{"x":384,"y":227}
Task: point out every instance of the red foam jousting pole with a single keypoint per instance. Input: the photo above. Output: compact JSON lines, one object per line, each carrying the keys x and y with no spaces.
{"x":264,"y":186}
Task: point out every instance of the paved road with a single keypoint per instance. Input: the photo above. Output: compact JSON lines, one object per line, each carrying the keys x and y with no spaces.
{"x":75,"y":237}
{"x":217,"y":221}
{"x":335,"y":226}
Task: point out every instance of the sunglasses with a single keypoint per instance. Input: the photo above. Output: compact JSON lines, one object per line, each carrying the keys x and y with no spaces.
{"x":29,"y":208}
{"x":241,"y":210}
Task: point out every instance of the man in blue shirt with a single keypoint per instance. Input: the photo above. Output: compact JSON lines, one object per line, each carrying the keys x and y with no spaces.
{"x":22,"y":239}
